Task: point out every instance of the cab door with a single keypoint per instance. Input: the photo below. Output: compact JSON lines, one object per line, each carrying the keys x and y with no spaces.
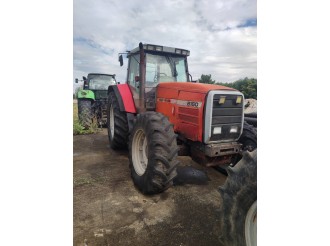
{"x":133,"y":71}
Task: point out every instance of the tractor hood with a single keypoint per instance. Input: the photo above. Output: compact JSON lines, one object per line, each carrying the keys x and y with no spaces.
{"x":193,"y":87}
{"x":195,"y":109}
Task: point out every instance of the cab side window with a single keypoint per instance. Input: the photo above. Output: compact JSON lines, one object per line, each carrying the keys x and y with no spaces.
{"x":134,"y":70}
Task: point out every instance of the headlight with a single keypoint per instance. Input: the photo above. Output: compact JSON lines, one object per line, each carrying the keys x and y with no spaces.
{"x":233,"y":129}
{"x":238,"y":100}
{"x":217,"y":130}
{"x":222,"y":99}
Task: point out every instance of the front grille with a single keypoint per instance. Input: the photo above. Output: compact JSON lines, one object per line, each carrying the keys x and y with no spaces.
{"x":227,"y":115}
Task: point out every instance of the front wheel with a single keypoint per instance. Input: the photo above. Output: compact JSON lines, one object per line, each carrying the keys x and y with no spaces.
{"x":153,"y":153}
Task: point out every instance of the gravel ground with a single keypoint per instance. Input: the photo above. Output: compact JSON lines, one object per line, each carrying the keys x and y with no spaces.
{"x":109,"y":210}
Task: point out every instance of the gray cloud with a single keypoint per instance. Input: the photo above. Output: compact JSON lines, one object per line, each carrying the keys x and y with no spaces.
{"x":214,"y":31}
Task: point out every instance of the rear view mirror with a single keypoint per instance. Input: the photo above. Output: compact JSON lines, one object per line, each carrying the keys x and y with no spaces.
{"x":76,"y":80}
{"x":191,"y":80}
{"x":137,"y":78}
{"x":121,"y":60}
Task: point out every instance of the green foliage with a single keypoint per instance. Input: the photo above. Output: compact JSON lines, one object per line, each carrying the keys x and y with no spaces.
{"x":206,"y":79}
{"x":79,"y":129}
{"x":247,"y":86}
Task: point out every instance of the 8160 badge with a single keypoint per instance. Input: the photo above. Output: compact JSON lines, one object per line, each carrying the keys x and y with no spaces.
{"x":187,"y":103}
{"x":193,"y":104}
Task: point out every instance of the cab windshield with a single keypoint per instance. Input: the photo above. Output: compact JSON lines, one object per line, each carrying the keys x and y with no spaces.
{"x":100,"y":82}
{"x":165,"y":68}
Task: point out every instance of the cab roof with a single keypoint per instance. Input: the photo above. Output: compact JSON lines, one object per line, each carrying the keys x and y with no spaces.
{"x":160,"y":48}
{"x":113,"y":75}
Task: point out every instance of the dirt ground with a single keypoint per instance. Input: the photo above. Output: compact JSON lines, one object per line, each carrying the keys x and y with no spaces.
{"x":109,"y":210}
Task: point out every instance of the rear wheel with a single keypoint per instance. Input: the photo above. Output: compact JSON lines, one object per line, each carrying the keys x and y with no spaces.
{"x":239,"y":203}
{"x":153,"y":153}
{"x":85,"y":112}
{"x":117,"y":124}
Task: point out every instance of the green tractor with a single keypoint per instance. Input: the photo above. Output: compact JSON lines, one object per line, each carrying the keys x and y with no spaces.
{"x":92,"y":99}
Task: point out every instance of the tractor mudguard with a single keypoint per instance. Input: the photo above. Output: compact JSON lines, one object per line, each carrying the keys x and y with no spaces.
{"x":124,"y":97}
{"x":87,"y":94}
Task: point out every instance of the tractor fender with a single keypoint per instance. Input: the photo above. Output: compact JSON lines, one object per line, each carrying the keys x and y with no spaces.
{"x":124,"y":97}
{"x":86,"y":94}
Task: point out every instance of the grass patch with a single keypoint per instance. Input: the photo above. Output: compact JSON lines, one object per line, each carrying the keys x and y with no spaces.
{"x":82,"y":181}
{"x":79,"y":129}
{"x":79,"y":181}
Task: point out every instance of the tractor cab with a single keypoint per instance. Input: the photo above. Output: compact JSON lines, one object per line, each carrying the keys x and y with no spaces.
{"x":99,"y":83}
{"x":149,"y":65}
{"x":96,"y":81}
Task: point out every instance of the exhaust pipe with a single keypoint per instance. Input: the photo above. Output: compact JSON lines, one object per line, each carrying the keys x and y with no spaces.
{"x":142,"y":79}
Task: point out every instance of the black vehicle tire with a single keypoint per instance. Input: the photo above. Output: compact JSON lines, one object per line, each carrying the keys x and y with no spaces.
{"x":239,"y":203}
{"x":117,"y":124}
{"x":85,"y":112}
{"x":248,"y":137}
{"x":153,"y":153}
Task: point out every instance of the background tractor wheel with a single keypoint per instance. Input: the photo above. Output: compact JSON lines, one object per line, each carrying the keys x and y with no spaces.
{"x":239,"y":203}
{"x":248,"y":137}
{"x":153,"y":153}
{"x":85,"y":112}
{"x":117,"y":124}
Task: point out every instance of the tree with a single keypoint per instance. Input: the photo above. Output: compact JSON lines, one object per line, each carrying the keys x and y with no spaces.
{"x":247,"y":86}
{"x":206,"y":79}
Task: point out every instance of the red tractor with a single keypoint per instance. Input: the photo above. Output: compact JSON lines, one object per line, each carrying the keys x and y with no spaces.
{"x":160,"y":113}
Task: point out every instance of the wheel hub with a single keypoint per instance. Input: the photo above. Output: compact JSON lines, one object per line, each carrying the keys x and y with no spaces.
{"x":251,"y":226}
{"x":140,"y":152}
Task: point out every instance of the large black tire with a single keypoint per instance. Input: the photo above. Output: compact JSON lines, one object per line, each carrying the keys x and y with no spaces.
{"x":85,"y":112}
{"x":248,"y":137}
{"x":153,"y":153}
{"x":117,"y":124}
{"x":239,"y":203}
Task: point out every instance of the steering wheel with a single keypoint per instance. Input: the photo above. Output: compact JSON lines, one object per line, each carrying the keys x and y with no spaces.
{"x":157,"y":76}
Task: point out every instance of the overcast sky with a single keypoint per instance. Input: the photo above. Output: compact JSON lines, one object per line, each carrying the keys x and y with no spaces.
{"x":221,"y":35}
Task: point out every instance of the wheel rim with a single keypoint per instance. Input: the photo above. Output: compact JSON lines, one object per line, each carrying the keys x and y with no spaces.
{"x":140,"y":152}
{"x":112,"y":122}
{"x":251,"y":226}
